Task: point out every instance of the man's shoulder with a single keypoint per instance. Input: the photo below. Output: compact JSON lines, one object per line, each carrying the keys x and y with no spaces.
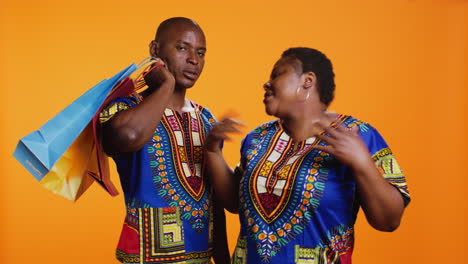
{"x":204,"y":112}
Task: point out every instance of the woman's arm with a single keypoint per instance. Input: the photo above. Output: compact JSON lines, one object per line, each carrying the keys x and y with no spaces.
{"x":129,"y":130}
{"x":220,"y":248}
{"x":382,"y":203}
{"x":221,"y":176}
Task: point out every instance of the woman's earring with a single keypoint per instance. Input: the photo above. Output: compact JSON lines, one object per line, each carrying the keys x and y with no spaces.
{"x":307,"y":96}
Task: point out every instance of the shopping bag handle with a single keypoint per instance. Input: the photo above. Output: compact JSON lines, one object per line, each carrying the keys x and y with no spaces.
{"x":145,"y":61}
{"x":150,"y":63}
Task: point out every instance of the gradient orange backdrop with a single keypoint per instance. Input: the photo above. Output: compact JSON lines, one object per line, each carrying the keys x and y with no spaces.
{"x":401,"y":65}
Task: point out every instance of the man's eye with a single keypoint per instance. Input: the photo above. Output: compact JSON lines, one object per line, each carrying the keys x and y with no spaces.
{"x":201,"y":54}
{"x":180,"y":48}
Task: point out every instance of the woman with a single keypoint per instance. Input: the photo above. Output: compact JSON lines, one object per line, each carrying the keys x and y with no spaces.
{"x":303,"y":177}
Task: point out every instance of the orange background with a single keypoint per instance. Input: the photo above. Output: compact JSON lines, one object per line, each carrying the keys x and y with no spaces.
{"x":401,"y":65}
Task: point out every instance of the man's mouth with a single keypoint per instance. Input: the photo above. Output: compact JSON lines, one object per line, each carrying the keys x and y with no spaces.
{"x":191,"y":75}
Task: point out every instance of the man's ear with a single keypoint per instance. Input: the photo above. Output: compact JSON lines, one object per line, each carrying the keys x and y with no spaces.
{"x":310,"y":80}
{"x":154,"y":48}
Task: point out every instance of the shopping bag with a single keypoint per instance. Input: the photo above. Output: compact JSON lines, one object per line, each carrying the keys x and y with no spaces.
{"x":69,"y":176}
{"x":39,"y":151}
{"x":128,"y":86}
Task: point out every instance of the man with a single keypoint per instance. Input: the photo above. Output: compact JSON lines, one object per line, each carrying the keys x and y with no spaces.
{"x":156,"y":139}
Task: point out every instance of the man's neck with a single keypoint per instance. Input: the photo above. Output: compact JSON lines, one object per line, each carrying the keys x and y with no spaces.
{"x":178,"y":102}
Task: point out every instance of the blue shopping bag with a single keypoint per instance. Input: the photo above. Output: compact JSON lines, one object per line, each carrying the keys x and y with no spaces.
{"x":40,"y":150}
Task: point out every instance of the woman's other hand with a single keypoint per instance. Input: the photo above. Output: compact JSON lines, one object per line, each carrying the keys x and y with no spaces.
{"x":382,"y":203}
{"x":345,"y":145}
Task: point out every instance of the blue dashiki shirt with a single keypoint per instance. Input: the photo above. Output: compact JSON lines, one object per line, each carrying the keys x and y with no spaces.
{"x":298,"y":204}
{"x":169,"y":209}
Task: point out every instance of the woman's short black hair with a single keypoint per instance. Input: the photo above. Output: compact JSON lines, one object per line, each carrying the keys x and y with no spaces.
{"x":315,"y":61}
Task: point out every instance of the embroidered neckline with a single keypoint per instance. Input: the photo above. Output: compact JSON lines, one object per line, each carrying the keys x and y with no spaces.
{"x":187,"y":142}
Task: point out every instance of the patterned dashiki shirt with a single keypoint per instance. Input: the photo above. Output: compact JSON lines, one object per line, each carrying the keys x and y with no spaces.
{"x":298,"y":204}
{"x":169,"y":211}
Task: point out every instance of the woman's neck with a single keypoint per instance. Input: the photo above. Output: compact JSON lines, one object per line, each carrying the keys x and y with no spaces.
{"x":305,"y":126}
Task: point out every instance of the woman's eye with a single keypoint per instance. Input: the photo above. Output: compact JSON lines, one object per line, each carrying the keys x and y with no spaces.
{"x":276,"y":74}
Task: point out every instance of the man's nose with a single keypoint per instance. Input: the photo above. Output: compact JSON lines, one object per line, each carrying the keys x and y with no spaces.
{"x":193,"y":58}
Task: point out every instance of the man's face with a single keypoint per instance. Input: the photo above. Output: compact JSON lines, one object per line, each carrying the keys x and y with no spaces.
{"x":182,"y":47}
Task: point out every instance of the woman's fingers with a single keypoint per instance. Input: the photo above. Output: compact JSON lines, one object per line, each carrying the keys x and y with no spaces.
{"x":328,"y":129}
{"x":232,"y":121}
{"x":228,"y":125}
{"x":328,"y":149}
{"x":221,"y":136}
{"x":327,"y":139}
{"x":231,"y":125}
{"x":355,"y":130}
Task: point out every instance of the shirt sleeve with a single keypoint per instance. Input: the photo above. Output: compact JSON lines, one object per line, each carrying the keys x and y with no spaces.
{"x":117,"y":106}
{"x":240,"y":167}
{"x":385,"y":160}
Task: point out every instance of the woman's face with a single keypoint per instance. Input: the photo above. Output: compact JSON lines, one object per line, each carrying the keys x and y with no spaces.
{"x":281,"y":90}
